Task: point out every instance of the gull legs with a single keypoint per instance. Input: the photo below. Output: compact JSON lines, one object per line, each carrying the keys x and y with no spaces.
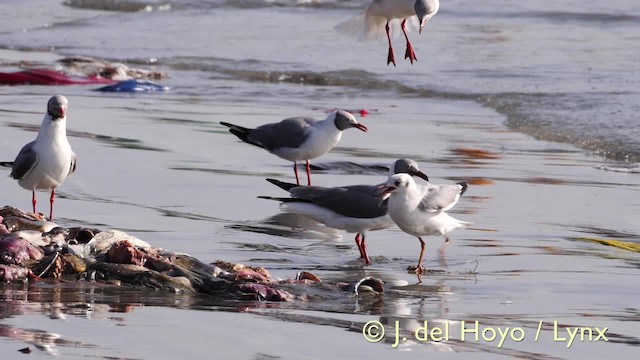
{"x":308,"y":168}
{"x":409,"y":53}
{"x":363,"y":248}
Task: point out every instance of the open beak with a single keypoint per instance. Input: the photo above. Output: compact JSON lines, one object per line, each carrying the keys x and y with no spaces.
{"x":360,"y":127}
{"x":382,"y":193}
{"x":419,"y":174}
{"x":382,"y":190}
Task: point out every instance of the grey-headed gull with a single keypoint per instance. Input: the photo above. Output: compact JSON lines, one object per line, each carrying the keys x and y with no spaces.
{"x":46,"y":162}
{"x":419,"y":210}
{"x":381,"y":12}
{"x":298,"y":138}
{"x":353,"y":208}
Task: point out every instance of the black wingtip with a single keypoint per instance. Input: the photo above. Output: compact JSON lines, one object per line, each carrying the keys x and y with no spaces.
{"x":464,"y":187}
{"x":281,"y":184}
{"x":241,"y":132}
{"x":8,"y":164}
{"x":284,"y":200}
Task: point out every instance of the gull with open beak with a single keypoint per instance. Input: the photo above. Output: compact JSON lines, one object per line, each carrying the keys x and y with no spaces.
{"x":420,"y":210}
{"x":353,"y":208}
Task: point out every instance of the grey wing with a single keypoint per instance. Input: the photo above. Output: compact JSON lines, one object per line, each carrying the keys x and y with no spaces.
{"x":74,"y":163}
{"x":440,"y":198}
{"x":356,"y":201}
{"x":291,"y":132}
{"x":26,"y":160}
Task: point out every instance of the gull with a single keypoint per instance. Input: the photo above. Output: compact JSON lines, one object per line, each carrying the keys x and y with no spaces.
{"x":353,"y":208}
{"x":381,"y":12}
{"x":298,"y":138}
{"x":46,"y":162}
{"x":420,"y":210}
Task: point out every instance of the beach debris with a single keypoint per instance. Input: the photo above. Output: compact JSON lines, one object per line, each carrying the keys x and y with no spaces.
{"x":82,"y":70}
{"x":3,"y":227}
{"x":625,"y":245}
{"x":133,"y":86}
{"x":48,"y":77}
{"x":8,"y":211}
{"x":92,"y":67}
{"x":368,"y":284}
{"x":9,"y":273}
{"x":305,"y":275}
{"x":15,"y":250}
{"x":16,"y":223}
{"x":115,"y":258}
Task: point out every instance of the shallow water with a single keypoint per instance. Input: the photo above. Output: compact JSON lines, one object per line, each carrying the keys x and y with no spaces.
{"x":161,"y":167}
{"x":560,"y":71}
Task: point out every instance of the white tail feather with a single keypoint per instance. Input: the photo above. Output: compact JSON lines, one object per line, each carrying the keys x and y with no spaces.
{"x":366,"y":26}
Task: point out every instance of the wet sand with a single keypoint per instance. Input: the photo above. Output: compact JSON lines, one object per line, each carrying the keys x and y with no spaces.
{"x":162,"y":168}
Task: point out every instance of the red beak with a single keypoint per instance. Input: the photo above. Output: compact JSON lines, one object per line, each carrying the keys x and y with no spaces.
{"x":382,"y":191}
{"x":360,"y":127}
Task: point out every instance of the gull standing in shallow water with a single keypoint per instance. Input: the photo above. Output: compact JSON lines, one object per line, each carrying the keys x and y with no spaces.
{"x":353,"y":208}
{"x":420,"y":210}
{"x":381,"y":12}
{"x":298,"y":138}
{"x":45,"y":163}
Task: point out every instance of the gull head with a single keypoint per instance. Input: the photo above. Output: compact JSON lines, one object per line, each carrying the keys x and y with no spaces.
{"x":344,"y":120}
{"x":425,"y":9}
{"x":397,"y":182}
{"x":408,"y":166}
{"x":57,"y":107}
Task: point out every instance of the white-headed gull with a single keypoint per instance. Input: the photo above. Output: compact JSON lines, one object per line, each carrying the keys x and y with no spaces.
{"x":46,"y":162}
{"x":298,"y":138}
{"x":381,"y":12}
{"x":353,"y":208}
{"x":419,"y":210}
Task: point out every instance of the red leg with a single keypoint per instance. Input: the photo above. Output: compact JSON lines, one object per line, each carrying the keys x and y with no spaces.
{"x":419,"y":268}
{"x":359,"y":246}
{"x":295,"y":171}
{"x":51,"y":199}
{"x":364,"y":251}
{"x":308,"y":173}
{"x":390,"y":57}
{"x":33,"y":200}
{"x":410,"y":54}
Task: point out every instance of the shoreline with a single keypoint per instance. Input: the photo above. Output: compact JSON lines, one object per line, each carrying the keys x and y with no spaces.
{"x":517,"y":120}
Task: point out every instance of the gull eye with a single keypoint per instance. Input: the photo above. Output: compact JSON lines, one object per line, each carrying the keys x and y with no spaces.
{"x":397,"y":182}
